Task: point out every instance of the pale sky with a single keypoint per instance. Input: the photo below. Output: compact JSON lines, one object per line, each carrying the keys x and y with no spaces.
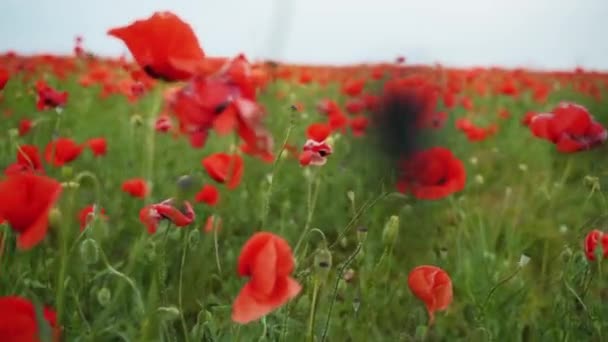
{"x":559,"y":34}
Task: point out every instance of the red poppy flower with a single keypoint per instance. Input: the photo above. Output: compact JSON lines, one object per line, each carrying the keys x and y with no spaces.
{"x":136,"y":187}
{"x":208,"y":194}
{"x":18,"y":322}
{"x":358,"y":125}
{"x":163,"y":124}
{"x":318,"y":132}
{"x":355,"y":106}
{"x":28,"y":160}
{"x":86,"y":214}
{"x":353,"y":87}
{"x":163,"y":45}
{"x":433,"y":286}
{"x":263,"y":154}
{"x":99,"y":146}
{"x":49,"y":98}
{"x":432,"y":174}
{"x":25,"y":202}
{"x":224,"y":168}
{"x":570,"y":127}
{"x":151,"y":215}
{"x":62,"y":151}
{"x":268,"y":261}
{"x":315,"y":153}
{"x":473,"y":132}
{"x":213,"y":222}
{"x":4,"y":77}
{"x":592,"y":240}
{"x":24,"y":126}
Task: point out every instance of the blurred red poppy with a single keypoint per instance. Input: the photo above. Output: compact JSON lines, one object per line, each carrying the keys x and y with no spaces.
{"x":86,"y":214}
{"x":49,"y":98}
{"x":62,"y":151}
{"x":163,"y":45}
{"x":99,"y":146}
{"x":24,"y":126}
{"x":208,"y":194}
{"x":318,"y":132}
{"x":592,"y":240}
{"x":136,"y":187}
{"x":151,"y":215}
{"x":315,"y":153}
{"x":268,"y":261}
{"x":433,"y":286}
{"x":432,"y":174}
{"x":25,"y":202}
{"x":4,"y":77}
{"x":358,"y":125}
{"x":28,"y":160}
{"x":18,"y":322}
{"x":224,"y":168}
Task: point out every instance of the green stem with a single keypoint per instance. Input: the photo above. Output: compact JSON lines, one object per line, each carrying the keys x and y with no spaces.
{"x":180,"y":288}
{"x":335,"y":292}
{"x":275,"y":168}
{"x":313,"y":310}
{"x":63,"y":257}
{"x":312,"y":203}
{"x":148,"y":152}
{"x":216,"y":246}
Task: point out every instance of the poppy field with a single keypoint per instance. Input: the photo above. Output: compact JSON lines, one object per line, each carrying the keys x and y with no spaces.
{"x":170,"y":195}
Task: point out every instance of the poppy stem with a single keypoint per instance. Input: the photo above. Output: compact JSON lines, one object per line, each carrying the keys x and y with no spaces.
{"x":312,"y":196}
{"x":313,"y":310}
{"x":275,"y":169}
{"x":216,"y":246}
{"x":151,"y":134}
{"x":500,"y":283}
{"x":335,"y":291}
{"x":181,"y":282}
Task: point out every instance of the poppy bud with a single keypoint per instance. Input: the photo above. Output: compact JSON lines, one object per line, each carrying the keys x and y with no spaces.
{"x":322,"y":263}
{"x":70,"y":185}
{"x":351,"y":196}
{"x":391,"y":229}
{"x":13,"y":132}
{"x":168,"y":313}
{"x":104,"y":296}
{"x":194,"y":238}
{"x":67,"y":171}
{"x":55,"y":218}
{"x":137,"y":120}
{"x":89,"y":252}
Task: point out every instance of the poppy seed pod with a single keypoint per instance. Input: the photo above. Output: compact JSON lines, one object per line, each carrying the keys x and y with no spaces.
{"x":391,"y":230}
{"x":322,"y":263}
{"x":361,"y":233}
{"x":89,"y":252}
{"x":104,"y":296}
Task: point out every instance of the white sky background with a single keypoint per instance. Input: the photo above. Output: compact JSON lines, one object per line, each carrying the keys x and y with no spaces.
{"x":558,"y":34}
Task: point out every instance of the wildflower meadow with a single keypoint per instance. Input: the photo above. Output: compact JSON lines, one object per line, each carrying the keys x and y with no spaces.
{"x":171,"y":195}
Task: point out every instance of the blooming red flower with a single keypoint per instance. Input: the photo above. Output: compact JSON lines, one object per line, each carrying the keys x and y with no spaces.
{"x":268,"y":261}
{"x":473,"y":132}
{"x":28,"y":160}
{"x":353,"y":87}
{"x":99,"y":146}
{"x":211,"y":224}
{"x":224,"y":168}
{"x":432,"y":174}
{"x":592,"y":240}
{"x":24,"y":126}
{"x":208,"y":194}
{"x":163,"y":124}
{"x":18,"y":321}
{"x":358,"y":125}
{"x":25,"y":202}
{"x":318,"y":132}
{"x":86,"y":214}
{"x":136,"y":187}
{"x":163,"y":45}
{"x":433,"y":286}
{"x":570,"y":127}
{"x":355,"y":106}
{"x":151,"y":215}
{"x":49,"y":98}
{"x":61,"y":151}
{"x":315,"y":153}
{"x":4,"y":77}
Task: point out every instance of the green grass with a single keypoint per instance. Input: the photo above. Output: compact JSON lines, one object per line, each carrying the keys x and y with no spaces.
{"x":521,"y":197}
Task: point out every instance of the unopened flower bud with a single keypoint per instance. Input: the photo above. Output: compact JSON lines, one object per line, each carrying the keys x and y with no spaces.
{"x":104,"y":296}
{"x":351,"y":196}
{"x":67,"y":171}
{"x":55,"y":218}
{"x":89,"y":252}
{"x":361,"y":233}
{"x":391,"y":229}
{"x":168,"y":313}
{"x":13,"y":132}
